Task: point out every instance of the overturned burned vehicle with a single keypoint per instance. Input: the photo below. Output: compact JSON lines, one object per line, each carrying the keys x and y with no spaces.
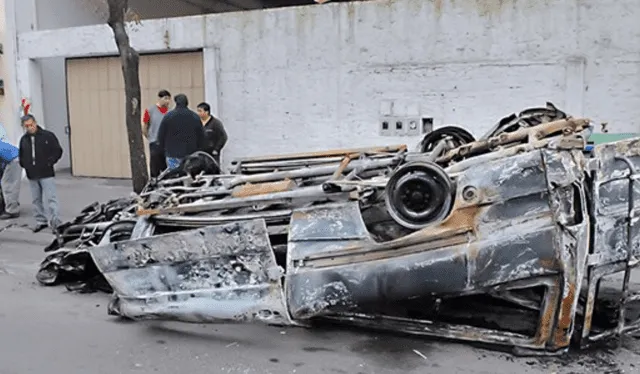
{"x":509,"y":239}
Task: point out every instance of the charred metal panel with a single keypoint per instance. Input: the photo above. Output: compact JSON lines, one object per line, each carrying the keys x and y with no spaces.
{"x":468,"y":252}
{"x":315,"y":289}
{"x":616,"y":233}
{"x":611,"y":199}
{"x":529,"y":255}
{"x":217,"y":273}
{"x":325,"y":222}
{"x":502,"y":180}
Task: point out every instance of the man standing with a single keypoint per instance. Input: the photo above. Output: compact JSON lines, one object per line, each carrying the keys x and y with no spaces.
{"x":39,"y":151}
{"x":10,"y":181}
{"x":150,"y":126}
{"x":214,"y":132}
{"x":180,"y":133}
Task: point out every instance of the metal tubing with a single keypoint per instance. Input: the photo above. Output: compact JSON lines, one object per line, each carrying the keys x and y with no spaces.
{"x":531,"y":134}
{"x":311,"y":172}
{"x":321,"y":154}
{"x":210,"y":220}
{"x":314,"y":193}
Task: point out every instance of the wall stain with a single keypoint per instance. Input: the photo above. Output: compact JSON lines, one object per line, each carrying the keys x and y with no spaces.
{"x":490,"y":7}
{"x":437,"y":7}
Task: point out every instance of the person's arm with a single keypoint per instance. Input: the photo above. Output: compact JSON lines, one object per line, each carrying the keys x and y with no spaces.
{"x":146,"y":118}
{"x":201,"y":140}
{"x":162,"y":131}
{"x":55,"y":149}
{"x":221,"y":138}
{"x":21,"y":153}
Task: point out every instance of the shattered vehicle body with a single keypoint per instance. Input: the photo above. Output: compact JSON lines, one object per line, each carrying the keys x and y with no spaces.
{"x":504,"y":240}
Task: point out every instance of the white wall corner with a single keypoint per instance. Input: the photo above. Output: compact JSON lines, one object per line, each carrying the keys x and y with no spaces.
{"x":211,"y":63}
{"x":12,"y":124}
{"x":29,"y":82}
{"x":575,"y":85}
{"x":155,"y":35}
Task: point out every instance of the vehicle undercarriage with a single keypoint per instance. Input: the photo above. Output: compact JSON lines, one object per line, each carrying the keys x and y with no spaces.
{"x":513,"y":239}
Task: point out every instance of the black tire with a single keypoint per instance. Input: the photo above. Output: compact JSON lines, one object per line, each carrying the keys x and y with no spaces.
{"x":459,"y":137}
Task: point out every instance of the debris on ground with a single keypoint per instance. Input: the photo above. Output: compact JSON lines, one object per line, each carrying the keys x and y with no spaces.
{"x":513,"y":239}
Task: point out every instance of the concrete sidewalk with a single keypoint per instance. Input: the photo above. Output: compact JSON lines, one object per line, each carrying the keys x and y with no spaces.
{"x":74,"y":194}
{"x":52,"y":330}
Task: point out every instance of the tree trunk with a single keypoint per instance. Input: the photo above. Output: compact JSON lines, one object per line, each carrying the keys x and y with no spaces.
{"x":130,"y":61}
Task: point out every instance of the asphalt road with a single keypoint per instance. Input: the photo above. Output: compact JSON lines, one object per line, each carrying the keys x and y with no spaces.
{"x":50,"y":330}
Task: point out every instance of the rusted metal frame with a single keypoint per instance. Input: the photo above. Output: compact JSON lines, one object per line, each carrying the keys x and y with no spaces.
{"x":630,"y":219}
{"x":596,"y":273}
{"x":529,"y":134}
{"x":169,"y":190}
{"x":572,"y":245}
{"x":492,"y":156}
{"x":187,"y":181}
{"x":322,"y":154}
{"x":250,"y":189}
{"x":521,"y":117}
{"x":268,"y":167}
{"x":349,"y":179}
{"x":314,"y":193}
{"x":312,"y":172}
{"x":604,"y":264}
{"x":291,"y":163}
{"x":343,"y":165}
{"x":188,"y":221}
{"x":203,"y":193}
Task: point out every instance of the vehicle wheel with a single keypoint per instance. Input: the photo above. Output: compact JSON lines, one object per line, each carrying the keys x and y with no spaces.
{"x":459,"y":136}
{"x":419,"y":194}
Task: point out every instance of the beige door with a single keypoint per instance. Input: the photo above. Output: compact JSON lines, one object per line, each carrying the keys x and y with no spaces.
{"x":95,"y":90}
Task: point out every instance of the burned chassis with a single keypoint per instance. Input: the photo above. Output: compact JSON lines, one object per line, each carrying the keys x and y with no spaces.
{"x":526,"y":224}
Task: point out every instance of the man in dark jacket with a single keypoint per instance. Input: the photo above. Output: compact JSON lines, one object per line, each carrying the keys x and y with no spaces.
{"x":39,"y":151}
{"x":180,"y":133}
{"x":214,"y":132}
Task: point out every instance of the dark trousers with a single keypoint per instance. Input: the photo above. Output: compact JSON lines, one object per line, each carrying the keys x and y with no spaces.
{"x":157,"y":162}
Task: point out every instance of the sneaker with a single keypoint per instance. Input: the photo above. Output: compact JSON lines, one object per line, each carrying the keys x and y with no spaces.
{"x":6,"y":216}
{"x":39,"y":227}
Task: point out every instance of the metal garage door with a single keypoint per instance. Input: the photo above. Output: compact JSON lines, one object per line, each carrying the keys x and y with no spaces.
{"x":95,"y":90}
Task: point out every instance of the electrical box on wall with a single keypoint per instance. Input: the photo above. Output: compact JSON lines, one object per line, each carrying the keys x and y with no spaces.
{"x":399,"y":126}
{"x":1,"y":87}
{"x":398,"y":118}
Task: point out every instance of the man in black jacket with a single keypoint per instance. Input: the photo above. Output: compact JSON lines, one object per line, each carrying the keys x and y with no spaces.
{"x":39,"y":152}
{"x":214,"y":132}
{"x":180,"y":133}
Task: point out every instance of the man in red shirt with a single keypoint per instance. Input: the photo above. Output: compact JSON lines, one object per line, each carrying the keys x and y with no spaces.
{"x":150,"y":124}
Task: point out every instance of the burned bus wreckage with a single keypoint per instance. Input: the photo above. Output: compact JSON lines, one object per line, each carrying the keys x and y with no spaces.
{"x":510,"y":239}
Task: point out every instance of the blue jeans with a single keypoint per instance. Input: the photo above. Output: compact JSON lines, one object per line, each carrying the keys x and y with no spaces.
{"x":45,"y":201}
{"x":173,"y":162}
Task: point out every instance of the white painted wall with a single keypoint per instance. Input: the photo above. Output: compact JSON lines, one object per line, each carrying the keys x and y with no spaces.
{"x":3,"y":74}
{"x":10,"y":29}
{"x":304,"y":78}
{"x":58,"y":14}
